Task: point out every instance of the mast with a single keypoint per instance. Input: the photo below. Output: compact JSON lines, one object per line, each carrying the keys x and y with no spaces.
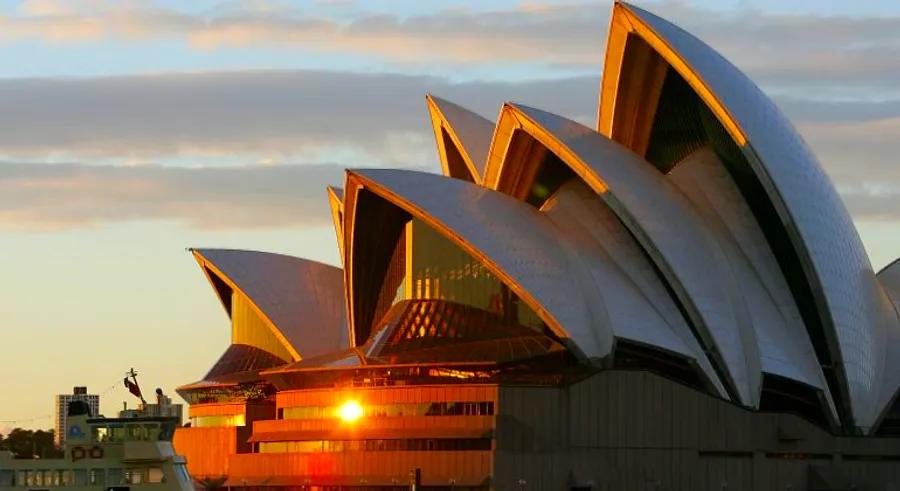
{"x":135,"y":388}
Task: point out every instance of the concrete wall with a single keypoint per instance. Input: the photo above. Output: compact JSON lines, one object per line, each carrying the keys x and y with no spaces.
{"x":638,"y":431}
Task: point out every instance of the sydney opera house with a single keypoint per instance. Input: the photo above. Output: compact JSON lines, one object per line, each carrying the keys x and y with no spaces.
{"x":675,"y":298}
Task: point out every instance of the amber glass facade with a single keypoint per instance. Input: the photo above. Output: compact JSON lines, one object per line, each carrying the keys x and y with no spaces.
{"x":218,"y":420}
{"x":375,"y":445}
{"x":247,"y":327}
{"x":475,"y":408}
{"x":428,"y":266}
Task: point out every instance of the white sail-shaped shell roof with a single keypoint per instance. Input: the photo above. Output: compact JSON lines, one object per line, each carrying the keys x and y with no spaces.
{"x":662,"y":221}
{"x":578,"y":289}
{"x":460,"y":134}
{"x":511,"y":239}
{"x":848,"y":303}
{"x":722,"y":243}
{"x":300,"y":300}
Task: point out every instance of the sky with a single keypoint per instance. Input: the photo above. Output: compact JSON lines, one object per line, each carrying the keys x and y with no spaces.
{"x":132,"y":130}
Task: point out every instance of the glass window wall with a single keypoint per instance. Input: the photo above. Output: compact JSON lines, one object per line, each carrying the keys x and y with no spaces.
{"x":219,"y":420}
{"x":468,"y":408}
{"x":437,"y":269}
{"x":377,"y":445}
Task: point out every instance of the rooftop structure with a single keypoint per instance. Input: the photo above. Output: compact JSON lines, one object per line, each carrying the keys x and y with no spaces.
{"x":61,"y":406}
{"x":162,"y":408}
{"x":676,"y":296}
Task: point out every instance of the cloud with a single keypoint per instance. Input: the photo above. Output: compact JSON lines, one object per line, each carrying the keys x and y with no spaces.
{"x":861,"y":156}
{"x":265,"y":115}
{"x":836,"y":77}
{"x":841,"y":55}
{"x":44,"y":197}
{"x":457,"y":35}
{"x":238,"y":117}
{"x":282,"y":114}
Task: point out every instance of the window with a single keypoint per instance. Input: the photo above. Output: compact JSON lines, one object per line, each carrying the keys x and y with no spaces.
{"x":377,"y":445}
{"x":80,"y":477}
{"x":116,"y":433}
{"x":152,"y":432}
{"x":7,"y":478}
{"x":134,"y":432}
{"x":134,"y":476}
{"x":273,"y":447}
{"x":114,"y":477}
{"x":475,"y":408}
{"x":99,"y":434}
{"x":155,"y":475}
{"x":442,"y":270}
{"x":219,"y":420}
{"x":311,"y":446}
{"x":97,"y":477}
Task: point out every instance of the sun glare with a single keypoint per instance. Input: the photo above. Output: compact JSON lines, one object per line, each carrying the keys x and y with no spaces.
{"x":350,"y":411}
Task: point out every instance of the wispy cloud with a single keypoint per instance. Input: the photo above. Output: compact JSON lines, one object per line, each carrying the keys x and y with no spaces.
{"x":859,"y":155}
{"x":453,"y":34}
{"x":282,"y":115}
{"x":62,"y":196}
{"x":791,"y":52}
{"x":257,"y":115}
{"x":835,"y":76}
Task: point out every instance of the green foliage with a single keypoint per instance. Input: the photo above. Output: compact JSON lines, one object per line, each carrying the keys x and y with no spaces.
{"x":27,"y":444}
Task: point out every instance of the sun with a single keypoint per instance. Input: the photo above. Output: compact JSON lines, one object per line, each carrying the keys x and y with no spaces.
{"x":350,"y":411}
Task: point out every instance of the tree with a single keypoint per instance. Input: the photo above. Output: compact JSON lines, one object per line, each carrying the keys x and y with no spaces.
{"x":28,"y":444}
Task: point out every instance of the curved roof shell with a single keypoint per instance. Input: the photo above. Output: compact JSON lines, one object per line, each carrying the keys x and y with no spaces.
{"x":462,"y":138}
{"x":511,"y":239}
{"x":660,"y":219}
{"x":734,"y":252}
{"x":847,"y":302}
{"x":300,"y":300}
{"x":553,"y":264}
{"x":631,"y":298}
{"x":784,"y":345}
{"x":889,"y":394}
{"x":336,"y":203}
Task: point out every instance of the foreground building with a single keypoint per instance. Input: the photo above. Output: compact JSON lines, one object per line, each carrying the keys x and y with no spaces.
{"x":675,"y":299}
